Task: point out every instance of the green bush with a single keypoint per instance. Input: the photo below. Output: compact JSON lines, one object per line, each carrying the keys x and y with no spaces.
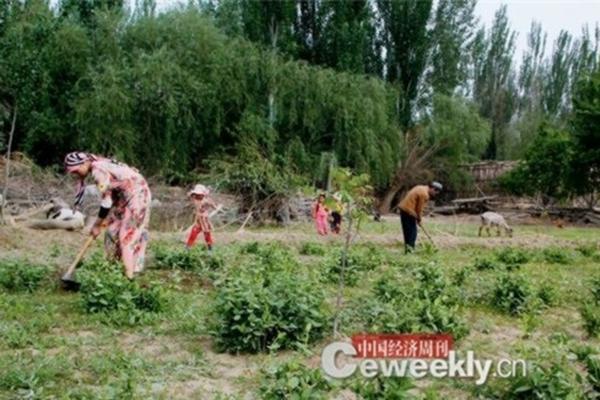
{"x":269,"y":254}
{"x":312,"y":249}
{"x":292,"y":380}
{"x":459,"y":278}
{"x":588,"y":250}
{"x":548,"y":295}
{"x":595,"y":289}
{"x":512,"y":294}
{"x":590,"y":313}
{"x":262,"y":306}
{"x":21,"y":275}
{"x":556,"y":255}
{"x":592,"y":364}
{"x":387,"y":317}
{"x":360,"y":259}
{"x":485,"y":264}
{"x":438,"y":317}
{"x":388,"y":288}
{"x":179,"y":258}
{"x":427,"y":305}
{"x":105,"y":290}
{"x":544,"y":384}
{"x":393,"y":388}
{"x":512,"y":256}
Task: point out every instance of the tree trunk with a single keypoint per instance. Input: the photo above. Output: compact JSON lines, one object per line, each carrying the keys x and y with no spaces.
{"x":386,"y":203}
{"x":7,"y":172}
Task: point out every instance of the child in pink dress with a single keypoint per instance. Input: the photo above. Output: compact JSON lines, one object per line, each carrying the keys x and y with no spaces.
{"x":202,"y":205}
{"x":320,"y":214}
{"x":124,"y":209}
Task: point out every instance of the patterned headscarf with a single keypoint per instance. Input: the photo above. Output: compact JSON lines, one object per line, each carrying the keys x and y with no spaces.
{"x":73,"y":161}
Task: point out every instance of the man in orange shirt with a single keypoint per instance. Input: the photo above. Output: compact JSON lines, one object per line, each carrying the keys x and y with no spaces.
{"x":411,"y":211}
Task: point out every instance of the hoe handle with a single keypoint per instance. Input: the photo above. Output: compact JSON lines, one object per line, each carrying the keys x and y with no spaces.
{"x":427,"y":234}
{"x":79,"y":256}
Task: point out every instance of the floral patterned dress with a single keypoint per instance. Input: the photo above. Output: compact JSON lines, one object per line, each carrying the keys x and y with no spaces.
{"x":125,"y":191}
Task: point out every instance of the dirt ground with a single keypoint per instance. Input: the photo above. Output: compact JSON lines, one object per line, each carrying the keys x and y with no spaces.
{"x":202,"y":372}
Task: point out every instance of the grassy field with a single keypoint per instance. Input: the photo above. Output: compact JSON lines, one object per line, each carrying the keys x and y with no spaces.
{"x":534,"y":297}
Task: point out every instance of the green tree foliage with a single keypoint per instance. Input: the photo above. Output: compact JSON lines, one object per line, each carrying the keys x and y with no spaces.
{"x":586,"y":128}
{"x":347,"y":34}
{"x":406,"y":40}
{"x":168,"y":92}
{"x":494,"y":87}
{"x":557,"y":76}
{"x":451,"y":39}
{"x":458,"y":134}
{"x":545,"y":170}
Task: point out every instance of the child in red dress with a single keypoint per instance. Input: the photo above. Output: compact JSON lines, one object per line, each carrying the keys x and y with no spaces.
{"x":202,"y":205}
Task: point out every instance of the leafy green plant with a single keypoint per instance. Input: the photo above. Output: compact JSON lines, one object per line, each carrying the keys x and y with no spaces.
{"x":595,"y":289}
{"x":21,"y":275}
{"x":512,"y":256}
{"x":460,"y":277}
{"x":592,"y":364}
{"x":485,"y":264}
{"x":548,"y":295}
{"x":426,"y":305}
{"x":312,"y":249}
{"x":179,"y":258}
{"x":387,"y":317}
{"x":556,"y":255}
{"x":388,"y":288}
{"x":262,"y":306}
{"x":293,"y":380}
{"x":590,"y":313}
{"x":588,"y":250}
{"x":543,"y":383}
{"x":383,"y":388}
{"x":512,"y":294}
{"x":105,"y":290}
{"x":435,"y":316}
{"x":333,"y":266}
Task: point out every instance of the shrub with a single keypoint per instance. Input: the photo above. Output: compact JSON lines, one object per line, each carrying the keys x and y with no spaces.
{"x":431,"y":282}
{"x":20,"y":275}
{"x":272,"y":254}
{"x":104,"y":289}
{"x":591,"y":319}
{"x":264,"y":306}
{"x":485,"y":264}
{"x":179,"y":258}
{"x":352,"y":270}
{"x":592,"y":364}
{"x":595,"y":289}
{"x":544,"y":384}
{"x":312,"y":249}
{"x":438,"y":317}
{"x":392,"y":317}
{"x":512,"y":256}
{"x":427,"y":305}
{"x":548,"y":295}
{"x":388,"y":288}
{"x":556,"y":255}
{"x":588,"y":250}
{"x":397,"y":388}
{"x":512,"y":294}
{"x":460,"y":277}
{"x":292,"y":380}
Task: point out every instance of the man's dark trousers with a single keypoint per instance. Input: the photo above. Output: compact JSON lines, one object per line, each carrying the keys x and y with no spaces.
{"x":409,"y":230}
